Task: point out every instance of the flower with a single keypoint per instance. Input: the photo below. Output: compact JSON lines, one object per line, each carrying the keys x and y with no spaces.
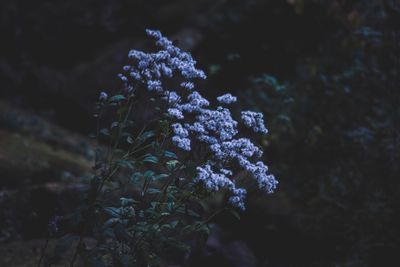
{"x":254,"y":120}
{"x":175,"y":113}
{"x":103,"y":96}
{"x":227,"y":99}
{"x":182,"y":143}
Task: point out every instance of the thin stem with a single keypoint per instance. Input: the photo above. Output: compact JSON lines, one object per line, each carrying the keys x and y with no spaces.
{"x":111,"y":172}
{"x":44,"y":249}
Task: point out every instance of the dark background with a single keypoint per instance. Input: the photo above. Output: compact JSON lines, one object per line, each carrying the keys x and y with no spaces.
{"x":325,"y":74}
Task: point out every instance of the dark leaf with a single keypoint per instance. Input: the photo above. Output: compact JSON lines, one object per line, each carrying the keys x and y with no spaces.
{"x":116,"y":98}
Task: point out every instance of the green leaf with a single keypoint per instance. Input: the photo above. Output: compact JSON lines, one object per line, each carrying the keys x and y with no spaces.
{"x":150,"y":158}
{"x":160,"y":176}
{"x":169,"y":154}
{"x":127,"y":201}
{"x":171,"y":165}
{"x":111,"y":222}
{"x":173,"y":223}
{"x":116,"y":98}
{"x":147,"y":135}
{"x":148,"y":175}
{"x":114,"y":124}
{"x":130,"y":140}
{"x":113,"y":212}
{"x":105,"y":131}
{"x":125,"y":163}
{"x":153,"y":191}
{"x":135,"y":178}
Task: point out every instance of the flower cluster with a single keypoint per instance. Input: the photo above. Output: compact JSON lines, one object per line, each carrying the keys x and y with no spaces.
{"x":254,"y":120}
{"x":218,"y":130}
{"x":150,"y":68}
{"x":226,"y":99}
{"x":197,"y":122}
{"x":181,"y":139}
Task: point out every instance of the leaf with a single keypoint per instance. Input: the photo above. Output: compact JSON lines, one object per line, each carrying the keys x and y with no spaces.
{"x":111,"y":222}
{"x":168,"y":226}
{"x":171,"y":165}
{"x":153,"y":191}
{"x":173,"y":223}
{"x":147,"y":135}
{"x":113,"y":212}
{"x":105,"y":131}
{"x":114,"y":124}
{"x":130,"y":140}
{"x":150,"y":158}
{"x":127,"y":201}
{"x":160,"y":176}
{"x":116,"y":98}
{"x":169,"y":154}
{"x":148,"y":175}
{"x":135,"y":178}
{"x":125,"y":163}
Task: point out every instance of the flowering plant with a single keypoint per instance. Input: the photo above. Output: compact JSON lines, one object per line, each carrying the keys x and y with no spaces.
{"x":149,"y":186}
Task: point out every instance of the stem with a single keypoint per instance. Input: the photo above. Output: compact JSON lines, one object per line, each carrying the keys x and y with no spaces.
{"x":44,"y":249}
{"x":76,"y":251}
{"x":111,"y":172}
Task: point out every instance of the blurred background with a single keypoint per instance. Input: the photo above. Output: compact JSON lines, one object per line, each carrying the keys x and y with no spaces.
{"x":324,"y":73}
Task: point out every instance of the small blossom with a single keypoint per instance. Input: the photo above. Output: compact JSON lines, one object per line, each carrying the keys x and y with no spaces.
{"x":154,"y":85}
{"x":237,"y":200}
{"x":212,"y":180}
{"x":179,"y":130}
{"x":175,"y":113}
{"x":254,"y":120}
{"x":126,"y":68}
{"x":172,"y":98}
{"x":182,"y":143}
{"x":135,"y":75}
{"x":227,"y":99}
{"x":103,"y":96}
{"x":187,"y":85}
{"x":123,"y":77}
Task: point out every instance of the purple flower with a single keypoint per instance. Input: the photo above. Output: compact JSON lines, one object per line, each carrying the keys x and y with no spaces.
{"x":187,"y":85}
{"x":227,"y":99}
{"x":103,"y":96}
{"x":254,"y":120}
{"x":154,"y":85}
{"x":182,"y":143}
{"x":175,"y":113}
